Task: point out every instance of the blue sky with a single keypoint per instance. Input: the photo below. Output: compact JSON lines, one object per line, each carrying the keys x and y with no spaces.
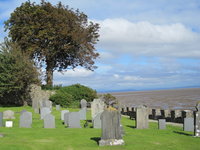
{"x":144,"y":44}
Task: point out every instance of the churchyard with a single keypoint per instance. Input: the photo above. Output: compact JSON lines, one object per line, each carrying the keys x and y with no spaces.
{"x":38,"y":138}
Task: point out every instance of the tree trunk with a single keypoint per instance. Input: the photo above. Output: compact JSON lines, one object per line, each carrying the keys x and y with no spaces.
{"x":49,"y":73}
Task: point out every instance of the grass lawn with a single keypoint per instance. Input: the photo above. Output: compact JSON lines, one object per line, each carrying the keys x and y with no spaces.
{"x":61,"y":138}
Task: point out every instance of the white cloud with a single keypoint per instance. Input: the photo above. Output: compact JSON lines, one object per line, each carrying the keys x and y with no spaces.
{"x":143,"y":38}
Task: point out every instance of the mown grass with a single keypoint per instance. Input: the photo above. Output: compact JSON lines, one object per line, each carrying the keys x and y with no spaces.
{"x":61,"y":138}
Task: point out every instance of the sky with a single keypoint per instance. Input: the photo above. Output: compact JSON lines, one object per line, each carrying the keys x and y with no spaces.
{"x":143,"y":44}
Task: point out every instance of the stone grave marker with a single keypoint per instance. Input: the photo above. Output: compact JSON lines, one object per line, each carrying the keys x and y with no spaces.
{"x":197,"y":120}
{"x":97,"y":106}
{"x":66,"y":118}
{"x":57,"y":107}
{"x":161,"y":124}
{"x":9,"y":124}
{"x":142,"y":117}
{"x":97,"y":121}
{"x":25,"y":120}
{"x":8,"y":114}
{"x":49,"y":121}
{"x":82,"y":113}
{"x":110,"y":126}
{"x":188,"y":124}
{"x":83,"y":103}
{"x":44,"y":112}
{"x":74,"y":120}
{"x":1,"y":119}
{"x":62,"y":114}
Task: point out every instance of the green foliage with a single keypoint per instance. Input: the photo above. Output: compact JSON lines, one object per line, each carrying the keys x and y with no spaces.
{"x":17,"y":72}
{"x":61,"y":37}
{"x":70,"y":96}
{"x":109,"y":99}
{"x":62,"y":98}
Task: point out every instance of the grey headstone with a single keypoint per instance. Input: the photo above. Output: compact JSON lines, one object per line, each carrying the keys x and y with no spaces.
{"x":178,"y":113}
{"x":66,"y":118}
{"x":49,"y":121}
{"x":97,"y":106}
{"x":142,"y":117}
{"x":25,"y":120}
{"x":82,"y":113}
{"x":161,"y":124}
{"x":97,"y":121}
{"x":197,"y":121}
{"x":8,"y":114}
{"x":74,"y":120}
{"x":188,"y":124}
{"x":62,"y":114}
{"x":110,"y":125}
{"x":57,"y":107}
{"x":44,"y":112}
{"x":83,"y":103}
{"x":1,"y":119}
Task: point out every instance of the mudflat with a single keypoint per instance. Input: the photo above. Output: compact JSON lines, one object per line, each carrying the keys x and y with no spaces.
{"x":184,"y":99}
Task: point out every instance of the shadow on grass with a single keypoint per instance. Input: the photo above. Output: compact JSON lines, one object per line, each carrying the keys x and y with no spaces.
{"x":183,"y":133}
{"x":131,"y":126}
{"x":96,"y":139}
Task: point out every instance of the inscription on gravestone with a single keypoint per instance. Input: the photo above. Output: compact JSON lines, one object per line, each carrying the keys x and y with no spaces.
{"x":74,"y":120}
{"x":25,"y":120}
{"x":49,"y":121}
{"x":110,"y":125}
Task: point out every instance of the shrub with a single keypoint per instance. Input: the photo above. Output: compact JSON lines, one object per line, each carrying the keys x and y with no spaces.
{"x":62,"y":98}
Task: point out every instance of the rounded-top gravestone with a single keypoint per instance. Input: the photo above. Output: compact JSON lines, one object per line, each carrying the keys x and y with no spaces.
{"x":8,"y":114}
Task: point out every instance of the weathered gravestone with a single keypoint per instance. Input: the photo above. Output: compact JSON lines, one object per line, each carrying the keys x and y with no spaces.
{"x":197,"y":120}
{"x":44,"y":112}
{"x":97,"y":106}
{"x":8,"y":114}
{"x":161,"y":124}
{"x":49,"y":121}
{"x":97,"y":121}
{"x":57,"y":107}
{"x":110,"y":125}
{"x":82,"y":113}
{"x":25,"y":120}
{"x":74,"y":120}
{"x":66,"y":118}
{"x":83,"y":103}
{"x":62,"y":114}
{"x":188,"y":124}
{"x":142,"y":117}
{"x":1,"y":119}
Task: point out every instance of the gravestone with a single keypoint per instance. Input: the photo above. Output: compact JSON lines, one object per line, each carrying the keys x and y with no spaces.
{"x":1,"y":119}
{"x":197,"y":120}
{"x":97,"y":106}
{"x":110,"y":126}
{"x":97,"y":121}
{"x":142,"y":117}
{"x":44,"y":112}
{"x":25,"y":120}
{"x":83,"y":103}
{"x":82,"y":113}
{"x":188,"y":124}
{"x":57,"y":107}
{"x":62,"y":114}
{"x":8,"y":114}
{"x":161,"y":124}
{"x":66,"y":118}
{"x":158,"y":113}
{"x":49,"y":121}
{"x":74,"y":120}
{"x":9,"y":124}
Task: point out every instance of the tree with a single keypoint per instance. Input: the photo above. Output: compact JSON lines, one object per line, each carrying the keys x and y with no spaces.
{"x":57,"y":35}
{"x":17,"y":72}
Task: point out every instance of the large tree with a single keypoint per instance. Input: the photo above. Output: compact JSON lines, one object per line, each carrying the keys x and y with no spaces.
{"x":61,"y":37}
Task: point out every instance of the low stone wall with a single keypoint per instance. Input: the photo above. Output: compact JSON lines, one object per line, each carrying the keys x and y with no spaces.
{"x":170,"y":115}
